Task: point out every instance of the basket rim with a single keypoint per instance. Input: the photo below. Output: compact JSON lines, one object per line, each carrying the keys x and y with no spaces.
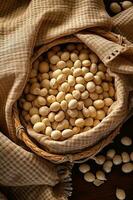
{"x":60,"y":158}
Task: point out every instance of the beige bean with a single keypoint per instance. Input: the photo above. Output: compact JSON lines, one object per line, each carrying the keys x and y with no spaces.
{"x":125,"y":157}
{"x":44,"y":76}
{"x":53,"y":83}
{"x":56,"y":135}
{"x":110,"y":153}
{"x":87,"y":128}
{"x":27,"y":106}
{"x":80,"y":80}
{"x":100,"y":175}
{"x":100,"y":159}
{"x":108,"y":101}
{"x":107,"y":166}
{"x":101,"y":74}
{"x":55,"y":107}
{"x":85,"y":70}
{"x":39,"y":127}
{"x":64,"y":105}
{"x":65,"y":56}
{"x":127,"y":167}
{"x":54,"y":59}
{"x":97,"y":182}
{"x":60,"y":96}
{"x":117,"y":160}
{"x":91,"y":86}
{"x":72,"y":121}
{"x":33,"y":111}
{"x":101,"y":67}
{"x":79,"y":122}
{"x":65,"y":87}
{"x":56,"y":73}
{"x":51,"y":99}
{"x":67,"y":133}
{"x":69,"y":63}
{"x":71,"y":80}
{"x":89,"y":121}
{"x":85,"y":95}
{"x":67,"y":71}
{"x":93,"y":68}
{"x":89,"y":177}
{"x":43,"y":92}
{"x":85,"y":112}
{"x":88,"y":102}
{"x":98,"y":104}
{"x":72,"y":113}
{"x":131,"y":156}
{"x":88,"y":76}
{"x":80,"y":105}
{"x":43,"y":67}
{"x":126,"y":141}
{"x":77,"y":72}
{"x":45,"y":83}
{"x":77,"y":64}
{"x":105,"y":86}
{"x":35,"y":118}
{"x":44,"y":110}
{"x":48,"y":131}
{"x":74,"y":57}
{"x":84,"y":168}
{"x":61,"y":64}
{"x":83,"y":56}
{"x":53,"y":91}
{"x":76,"y":94}
{"x":120,"y":194}
{"x":96,"y":122}
{"x":92,"y":111}
{"x":68,"y":97}
{"x":33,"y":73}
{"x":61,"y":78}
{"x":63,"y":125}
{"x":59,"y":116}
{"x":46,"y":121}
{"x":126,"y":4}
{"x":97,"y":80}
{"x":93,"y":57}
{"x":94,"y":96}
{"x":76,"y":130}
{"x":41,"y":101}
{"x":80,"y":87}
{"x":86,"y":63}
{"x":30,"y":97}
{"x":111,"y":91}
{"x":72,"y":104}
{"x":100,"y":115}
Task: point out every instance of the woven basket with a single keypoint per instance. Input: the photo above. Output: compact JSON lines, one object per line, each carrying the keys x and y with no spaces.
{"x":58,"y":158}
{"x":74,"y":148}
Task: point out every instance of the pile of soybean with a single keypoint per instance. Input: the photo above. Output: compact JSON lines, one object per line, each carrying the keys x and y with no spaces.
{"x":117,"y":154}
{"x":116,"y":6}
{"x":69,"y":91}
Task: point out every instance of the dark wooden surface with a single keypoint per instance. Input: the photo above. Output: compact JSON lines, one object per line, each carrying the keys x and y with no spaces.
{"x":87,"y":191}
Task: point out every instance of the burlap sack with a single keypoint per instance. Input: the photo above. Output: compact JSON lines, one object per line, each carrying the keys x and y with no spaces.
{"x":24,"y":25}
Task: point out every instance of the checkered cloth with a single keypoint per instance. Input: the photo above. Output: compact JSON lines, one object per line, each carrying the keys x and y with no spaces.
{"x":23,"y":26}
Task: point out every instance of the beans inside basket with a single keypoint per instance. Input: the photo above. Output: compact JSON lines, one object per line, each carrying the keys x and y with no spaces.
{"x":69,"y":91}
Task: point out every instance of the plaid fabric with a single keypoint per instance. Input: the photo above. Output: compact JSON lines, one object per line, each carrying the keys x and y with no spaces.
{"x":24,"y":25}
{"x":18,"y":167}
{"x":123,"y":23}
